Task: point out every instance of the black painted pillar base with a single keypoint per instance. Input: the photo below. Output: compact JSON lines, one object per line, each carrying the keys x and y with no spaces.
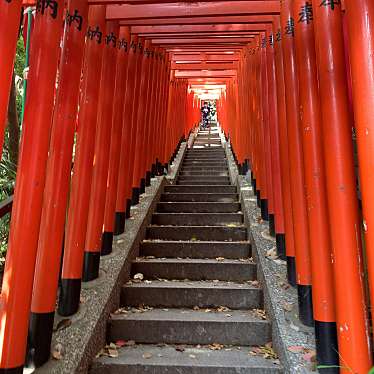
{"x":119,"y":223}
{"x":254,"y":185}
{"x":91,"y":265}
{"x":304,"y":294}
{"x":327,"y":347}
{"x":245,"y":167}
{"x":135,"y":196}
{"x":128,"y":208}
{"x":264,"y":210}
{"x":40,"y":338}
{"x":258,"y":194}
{"x":291,"y":271}
{"x":18,"y":370}
{"x":106,"y":243}
{"x":165,"y":169}
{"x":240,"y":171}
{"x":148,"y":178}
{"x":142,"y":185}
{"x":70,"y":292}
{"x":271,"y":225}
{"x":281,"y":246}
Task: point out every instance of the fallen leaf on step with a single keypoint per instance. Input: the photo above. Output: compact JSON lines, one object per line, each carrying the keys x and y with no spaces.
{"x":112,"y":352}
{"x":192,"y":356}
{"x":120,"y":343}
{"x":223,"y":309}
{"x":310,"y":356}
{"x":295,"y":348}
{"x":196,"y":307}
{"x":57,"y":352}
{"x":268,"y":352}
{"x":179,"y":348}
{"x":215,"y":346}
{"x":147,"y":355}
{"x":193,"y":238}
{"x":287,"y":306}
{"x":130,"y":343}
{"x":63,"y":324}
{"x":220,"y":258}
{"x":138,"y":276}
{"x":260,"y":313}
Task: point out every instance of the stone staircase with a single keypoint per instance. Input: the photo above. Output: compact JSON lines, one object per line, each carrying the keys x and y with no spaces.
{"x":194,"y":305}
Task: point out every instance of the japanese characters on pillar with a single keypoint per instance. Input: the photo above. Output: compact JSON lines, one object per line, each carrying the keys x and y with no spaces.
{"x":77,"y":215}
{"x":57,"y":184}
{"x":28,"y":197}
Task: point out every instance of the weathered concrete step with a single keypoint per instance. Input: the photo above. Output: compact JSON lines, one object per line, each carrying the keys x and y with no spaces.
{"x":200,"y":197}
{"x":202,"y":182}
{"x":213,"y":178}
{"x":194,"y":249}
{"x":184,"y":173}
{"x":200,"y":189}
{"x":205,"y":152}
{"x":207,"y":158}
{"x":204,"y":169}
{"x":197,"y":219}
{"x":198,"y":207}
{"x":196,"y":269}
{"x":222,"y":163}
{"x":202,"y":233}
{"x":189,"y":360}
{"x":187,"y":326}
{"x":170,"y":294}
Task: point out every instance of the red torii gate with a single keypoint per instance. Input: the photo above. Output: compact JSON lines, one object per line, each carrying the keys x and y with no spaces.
{"x":259,"y":108}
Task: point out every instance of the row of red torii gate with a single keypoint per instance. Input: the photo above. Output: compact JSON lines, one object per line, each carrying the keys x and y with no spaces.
{"x":121,"y":84}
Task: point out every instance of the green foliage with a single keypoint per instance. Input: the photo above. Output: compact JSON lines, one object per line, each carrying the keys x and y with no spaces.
{"x":7,"y":167}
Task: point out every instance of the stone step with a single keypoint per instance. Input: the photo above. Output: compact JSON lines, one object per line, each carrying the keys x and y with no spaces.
{"x":196,"y":269}
{"x":197,"y":219}
{"x":202,"y":233}
{"x":188,"y":326}
{"x":213,"y":178}
{"x":206,"y":152}
{"x":203,"y":170}
{"x":201,"y":182}
{"x":184,"y":173}
{"x":198,"y":207}
{"x":185,"y":360}
{"x":200,"y":197}
{"x":194,"y":249}
{"x":203,"y":158}
{"x":188,"y":163}
{"x":200,"y":189}
{"x":168,"y":294}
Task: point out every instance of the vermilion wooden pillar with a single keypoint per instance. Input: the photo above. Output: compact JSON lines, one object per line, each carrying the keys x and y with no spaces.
{"x":267,"y":205}
{"x":10,"y":15}
{"x":123,"y":200}
{"x":138,"y":180}
{"x":295,"y":152}
{"x":57,"y":184}
{"x":314,"y":169}
{"x":338,"y":147}
{"x":77,"y":217}
{"x":285,"y":243}
{"x":278,"y":218}
{"x":360,"y":17}
{"x":28,"y":197}
{"x":116,"y":140}
{"x":104,"y":131}
{"x":135,"y":189}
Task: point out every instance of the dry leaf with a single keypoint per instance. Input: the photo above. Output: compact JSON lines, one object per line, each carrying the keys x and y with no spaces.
{"x":138,"y":276}
{"x":192,"y":356}
{"x":112,"y":352}
{"x":57,"y":352}
{"x":295,"y":348}
{"x":220,"y":258}
{"x":63,"y":324}
{"x":147,"y":355}
{"x":120,"y":343}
